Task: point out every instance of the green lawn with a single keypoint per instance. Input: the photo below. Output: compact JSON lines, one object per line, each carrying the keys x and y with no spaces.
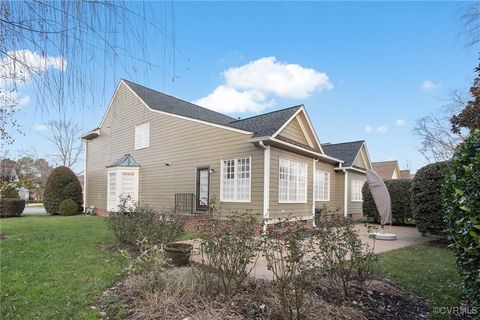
{"x":428,"y":270}
{"x":54,"y":267}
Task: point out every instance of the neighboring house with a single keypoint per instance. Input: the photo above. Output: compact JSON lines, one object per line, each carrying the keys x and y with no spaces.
{"x":352,"y":173}
{"x":387,"y":170}
{"x":23,"y":193}
{"x":405,"y":174}
{"x":170,"y":153}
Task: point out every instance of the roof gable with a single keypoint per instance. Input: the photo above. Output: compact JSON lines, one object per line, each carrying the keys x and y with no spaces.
{"x":387,"y":169}
{"x":346,"y":151}
{"x":267,"y":124}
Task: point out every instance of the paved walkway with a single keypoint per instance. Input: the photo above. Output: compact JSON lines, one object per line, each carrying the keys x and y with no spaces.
{"x":406,"y":236}
{"x":34,"y":209}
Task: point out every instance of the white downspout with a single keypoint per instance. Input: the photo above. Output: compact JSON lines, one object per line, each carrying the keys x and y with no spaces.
{"x":345,"y":196}
{"x":85,"y":178}
{"x":266,"y":184}
{"x":313,"y":191}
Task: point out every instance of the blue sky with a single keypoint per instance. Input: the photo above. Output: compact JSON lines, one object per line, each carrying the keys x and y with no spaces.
{"x":387,"y":64}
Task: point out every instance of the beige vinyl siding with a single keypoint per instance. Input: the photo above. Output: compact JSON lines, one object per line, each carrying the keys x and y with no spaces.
{"x":284,"y":210}
{"x":359,"y":162}
{"x":336,"y":188}
{"x":294,"y":131}
{"x":354,"y":207}
{"x":184,"y":144}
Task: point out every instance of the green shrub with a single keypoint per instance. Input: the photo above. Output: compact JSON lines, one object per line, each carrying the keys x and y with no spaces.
{"x":135,"y":222}
{"x":400,"y":195}
{"x":62,"y":184}
{"x":68,"y":207}
{"x":10,"y":192}
{"x":11,"y":207}
{"x":427,"y":198}
{"x":227,"y":247}
{"x":462,"y":212}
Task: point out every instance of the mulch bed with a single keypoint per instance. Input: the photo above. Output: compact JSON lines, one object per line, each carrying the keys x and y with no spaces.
{"x":383,"y":299}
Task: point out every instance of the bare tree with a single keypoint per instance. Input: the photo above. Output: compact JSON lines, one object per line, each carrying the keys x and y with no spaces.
{"x":61,"y":47}
{"x":471,"y":23}
{"x":437,"y":141}
{"x":7,"y":173}
{"x":65,"y":135}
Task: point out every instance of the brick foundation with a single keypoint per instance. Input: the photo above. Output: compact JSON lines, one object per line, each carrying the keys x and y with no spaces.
{"x":194,"y":220}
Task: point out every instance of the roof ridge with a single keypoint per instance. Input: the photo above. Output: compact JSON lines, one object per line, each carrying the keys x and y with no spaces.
{"x":334,"y":144}
{"x":264,"y":114}
{"x":171,"y":96}
{"x":385,"y":161}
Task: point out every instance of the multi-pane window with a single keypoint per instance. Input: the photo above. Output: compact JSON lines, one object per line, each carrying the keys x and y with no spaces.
{"x":356,"y":190}
{"x":142,"y":136}
{"x":128,"y":184}
{"x":236,"y":177}
{"x":292,"y":181}
{"x":322,"y":185}
{"x":112,"y":184}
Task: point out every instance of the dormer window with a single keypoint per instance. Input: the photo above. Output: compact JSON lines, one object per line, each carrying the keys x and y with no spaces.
{"x":142,"y":136}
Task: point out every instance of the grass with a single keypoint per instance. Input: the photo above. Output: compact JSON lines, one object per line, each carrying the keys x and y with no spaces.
{"x":54,"y":267}
{"x":428,"y":270}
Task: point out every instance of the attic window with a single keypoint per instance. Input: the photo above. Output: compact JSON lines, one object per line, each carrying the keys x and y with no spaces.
{"x":142,"y":136}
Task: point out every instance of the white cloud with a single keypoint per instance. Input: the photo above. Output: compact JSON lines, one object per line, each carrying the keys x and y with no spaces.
{"x":40,"y":127}
{"x":228,"y":99}
{"x":368,"y":129}
{"x":271,"y":76}
{"x":17,"y":67}
{"x":382,"y":129}
{"x":400,"y":122}
{"x":248,"y":88}
{"x":428,"y":85}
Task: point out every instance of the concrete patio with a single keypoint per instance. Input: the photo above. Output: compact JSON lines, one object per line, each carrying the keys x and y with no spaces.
{"x":406,"y":236}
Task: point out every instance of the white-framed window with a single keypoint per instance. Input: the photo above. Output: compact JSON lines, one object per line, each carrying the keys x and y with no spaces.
{"x":356,"y":190}
{"x":322,"y":185}
{"x":112,"y":184}
{"x":142,"y":136}
{"x":128,"y":184}
{"x":236,"y":180}
{"x":292,"y":185}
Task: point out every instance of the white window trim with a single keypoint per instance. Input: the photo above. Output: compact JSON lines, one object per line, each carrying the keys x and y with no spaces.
{"x":235,"y":189}
{"x":306,"y":182}
{"x":354,"y":182}
{"x":329,"y":186}
{"x":148,"y":135}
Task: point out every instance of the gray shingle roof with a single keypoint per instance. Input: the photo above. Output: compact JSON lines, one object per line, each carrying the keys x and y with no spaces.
{"x":262,"y":125}
{"x":163,"y":102}
{"x":346,"y":151}
{"x":265,"y":124}
{"x":125,"y":161}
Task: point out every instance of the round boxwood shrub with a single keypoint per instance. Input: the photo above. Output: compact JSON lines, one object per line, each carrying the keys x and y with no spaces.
{"x":62,"y":184}
{"x":427,"y":198}
{"x":11,"y":207}
{"x":10,"y":192}
{"x":68,"y":207}
{"x":462,"y":213}
{"x":400,"y":195}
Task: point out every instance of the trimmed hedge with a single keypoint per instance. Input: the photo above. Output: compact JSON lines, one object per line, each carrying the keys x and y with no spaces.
{"x":68,"y":207}
{"x":427,"y":198}
{"x":62,"y":184}
{"x":401,"y":202}
{"x":11,"y":207}
{"x":461,"y":201}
